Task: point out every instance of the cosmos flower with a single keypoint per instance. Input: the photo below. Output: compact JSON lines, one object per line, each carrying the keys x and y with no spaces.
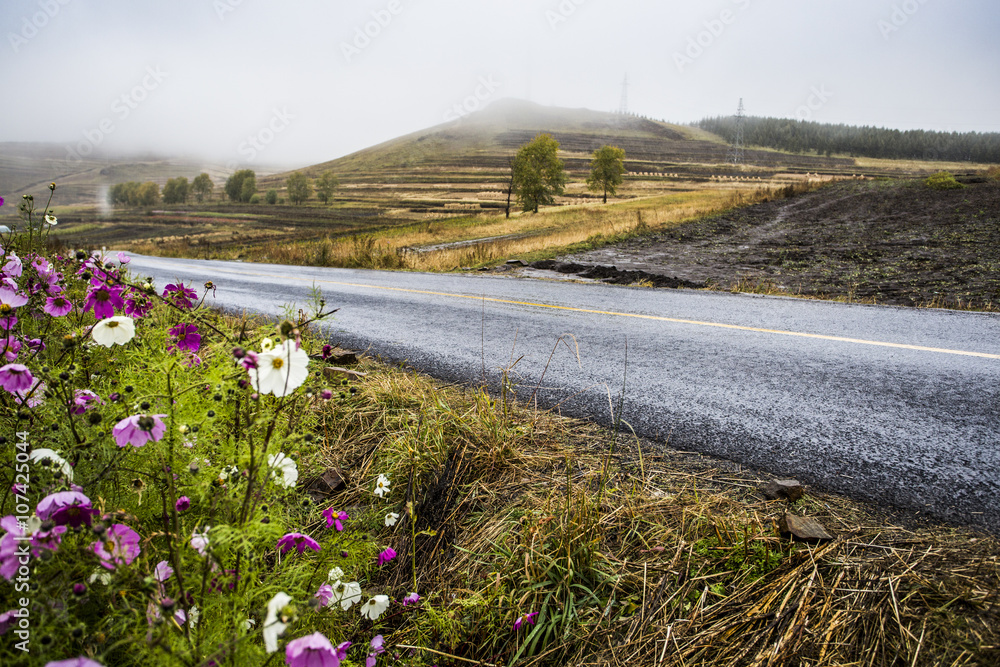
{"x":137,"y":304}
{"x":137,"y":430}
{"x":377,"y":649}
{"x":116,"y":330}
{"x":51,"y":220}
{"x":103,"y":299}
{"x":381,"y":486}
{"x":186,"y":337}
{"x":283,"y":469}
{"x":375,"y":607}
{"x":313,"y":650}
{"x":386,"y":556}
{"x":391,"y":518}
{"x":335,"y":519}
{"x":56,"y":461}
{"x":412,"y":598}
{"x":528,"y":619}
{"x":347,"y":595}
{"x":57,"y":306}
{"x":179,"y":295}
{"x":11,"y":299}
{"x":324,"y":595}
{"x":15,"y":378}
{"x":183,"y":504}
{"x":66,"y":508}
{"x":120,"y":546}
{"x":82,"y":398}
{"x":297,"y":541}
{"x":278,"y":615}
{"x":199,"y":541}
{"x":162,"y":571}
{"x":81,"y":661}
{"x":281,"y":370}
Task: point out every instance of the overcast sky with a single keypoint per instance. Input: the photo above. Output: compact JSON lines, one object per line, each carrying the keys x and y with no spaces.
{"x":299,"y":81}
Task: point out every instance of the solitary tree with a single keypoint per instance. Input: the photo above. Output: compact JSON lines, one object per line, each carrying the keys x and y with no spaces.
{"x":241,"y":186}
{"x":538,"y":173}
{"x":325,"y":186}
{"x":298,"y":188}
{"x":606,"y":171}
{"x":149,"y":194}
{"x":176,"y":190}
{"x":202,"y":186}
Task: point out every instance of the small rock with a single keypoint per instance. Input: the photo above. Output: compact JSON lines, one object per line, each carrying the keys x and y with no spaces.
{"x":328,"y":483}
{"x":803,"y":528}
{"x":783,"y":489}
{"x":516,"y":262}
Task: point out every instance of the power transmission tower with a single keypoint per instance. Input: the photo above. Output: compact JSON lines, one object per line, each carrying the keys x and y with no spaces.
{"x":623,"y":105}
{"x":736,"y":148}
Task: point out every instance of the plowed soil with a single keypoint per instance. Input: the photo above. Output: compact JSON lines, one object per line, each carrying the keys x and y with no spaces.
{"x":887,"y":242}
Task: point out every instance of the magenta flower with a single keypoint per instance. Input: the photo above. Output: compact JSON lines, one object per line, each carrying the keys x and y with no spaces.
{"x":526,"y":619}
{"x":57,"y":306}
{"x":11,"y":299}
{"x":137,"y":430}
{"x":137,"y":304}
{"x":180,"y":296}
{"x":13,"y":267}
{"x":66,"y":508}
{"x":120,"y":546}
{"x":386,"y":556}
{"x":163,"y":571}
{"x":123,"y":258}
{"x":297,"y":541}
{"x":82,"y":398}
{"x":16,"y":377}
{"x":335,"y":520}
{"x":249,"y":360}
{"x":7,"y":619}
{"x":324,"y":595}
{"x":313,"y":650}
{"x":412,"y":598}
{"x":11,"y":347}
{"x":10,"y":546}
{"x":47,"y":539}
{"x":82,"y":661}
{"x":377,"y":650}
{"x":183,"y":504}
{"x":185,"y":338}
{"x":103,"y":299}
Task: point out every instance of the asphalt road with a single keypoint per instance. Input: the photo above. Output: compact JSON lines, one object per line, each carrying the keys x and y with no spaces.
{"x":895,"y":406}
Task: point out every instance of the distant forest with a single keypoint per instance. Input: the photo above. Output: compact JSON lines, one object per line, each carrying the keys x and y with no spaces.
{"x":825,"y":139}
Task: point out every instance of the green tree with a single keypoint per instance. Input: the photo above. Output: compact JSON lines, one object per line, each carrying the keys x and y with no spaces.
{"x":271,"y":196}
{"x":538,"y":173}
{"x":298,"y":188}
{"x":202,"y":186}
{"x":325,"y":186}
{"x":176,"y":190}
{"x":149,"y":194}
{"x":606,"y":170}
{"x":241,"y":186}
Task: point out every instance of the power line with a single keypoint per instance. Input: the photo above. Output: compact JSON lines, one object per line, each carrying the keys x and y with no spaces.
{"x":735,"y":154}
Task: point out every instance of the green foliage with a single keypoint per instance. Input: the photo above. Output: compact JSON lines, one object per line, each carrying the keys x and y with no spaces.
{"x":271,"y":196}
{"x":134,"y":194}
{"x":538,"y":174}
{"x":149,"y":194}
{"x":202,"y":186}
{"x":241,"y":186}
{"x":298,"y":188}
{"x":325,"y":186}
{"x":606,"y":171}
{"x":943,"y":181}
{"x":176,"y":190}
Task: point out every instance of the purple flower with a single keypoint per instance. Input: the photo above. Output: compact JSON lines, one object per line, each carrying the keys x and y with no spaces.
{"x":412,"y":598}
{"x":11,"y":299}
{"x":57,"y":306}
{"x":75,"y":662}
{"x":527,"y":618}
{"x":326,"y":394}
{"x":297,"y":541}
{"x":185,"y":338}
{"x":249,"y":360}
{"x":137,"y":430}
{"x":10,"y":545}
{"x":120,"y":546}
{"x":377,"y":650}
{"x":82,"y":398}
{"x":180,"y":296}
{"x":162,"y":571}
{"x":123,"y":258}
{"x":137,"y":304}
{"x":313,"y":650}
{"x":324,"y":595}
{"x":386,"y":556}
{"x":335,"y":520}
{"x":7,"y":618}
{"x":11,"y":347}
{"x":103,"y":299}
{"x":66,"y":508}
{"x":183,"y":504}
{"x":15,"y":378}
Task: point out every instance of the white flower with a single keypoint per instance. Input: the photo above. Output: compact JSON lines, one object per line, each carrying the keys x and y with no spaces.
{"x":100,"y":575}
{"x":51,"y":220}
{"x":199,"y":541}
{"x":283,"y":469}
{"x":249,"y":623}
{"x":336,"y":574}
{"x":347,"y":595}
{"x":280,"y":371}
{"x":116,"y":330}
{"x":375,"y":607}
{"x":391,"y":518}
{"x":43,"y":454}
{"x":382,"y":486}
{"x":273,"y":624}
{"x":266,"y":345}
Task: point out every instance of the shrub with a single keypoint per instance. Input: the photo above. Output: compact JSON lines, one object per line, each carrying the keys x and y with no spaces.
{"x":943,"y":181}
{"x":994,"y":172}
{"x":271,"y":197}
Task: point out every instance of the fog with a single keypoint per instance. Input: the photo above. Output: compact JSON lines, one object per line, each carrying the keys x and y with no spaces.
{"x":249,"y":82}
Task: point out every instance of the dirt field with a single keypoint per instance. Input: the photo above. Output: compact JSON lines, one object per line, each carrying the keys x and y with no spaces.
{"x":890,"y":242}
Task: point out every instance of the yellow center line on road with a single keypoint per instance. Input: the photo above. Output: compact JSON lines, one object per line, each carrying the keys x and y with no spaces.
{"x":657,"y":318}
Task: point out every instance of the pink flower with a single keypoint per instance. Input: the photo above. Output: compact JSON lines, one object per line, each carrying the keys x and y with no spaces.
{"x":15,"y":378}
{"x":47,"y":539}
{"x":123,"y":258}
{"x":137,"y":430}
{"x":180,"y":296}
{"x":249,"y":360}
{"x":297,"y":541}
{"x":7,"y":618}
{"x":185,"y":338}
{"x":412,"y":598}
{"x":183,"y":504}
{"x":120,"y":546}
{"x":313,"y":650}
{"x":66,"y":508}
{"x":11,"y":347}
{"x":82,"y":398}
{"x":377,"y":650}
{"x":324,"y":595}
{"x":527,"y":618}
{"x":32,"y":397}
{"x":11,"y":299}
{"x":57,"y":306}
{"x":386,"y":556}
{"x":335,"y":520}
{"x":75,"y":662}
{"x":13,"y":267}
{"x":163,"y":571}
{"x":103,"y":299}
{"x":10,"y":545}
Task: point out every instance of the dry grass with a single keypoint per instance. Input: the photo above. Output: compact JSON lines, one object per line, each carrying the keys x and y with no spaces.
{"x":641,"y":555}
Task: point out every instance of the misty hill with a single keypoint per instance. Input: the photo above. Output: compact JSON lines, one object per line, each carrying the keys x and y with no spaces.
{"x":484,"y":141}
{"x":798,"y":136}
